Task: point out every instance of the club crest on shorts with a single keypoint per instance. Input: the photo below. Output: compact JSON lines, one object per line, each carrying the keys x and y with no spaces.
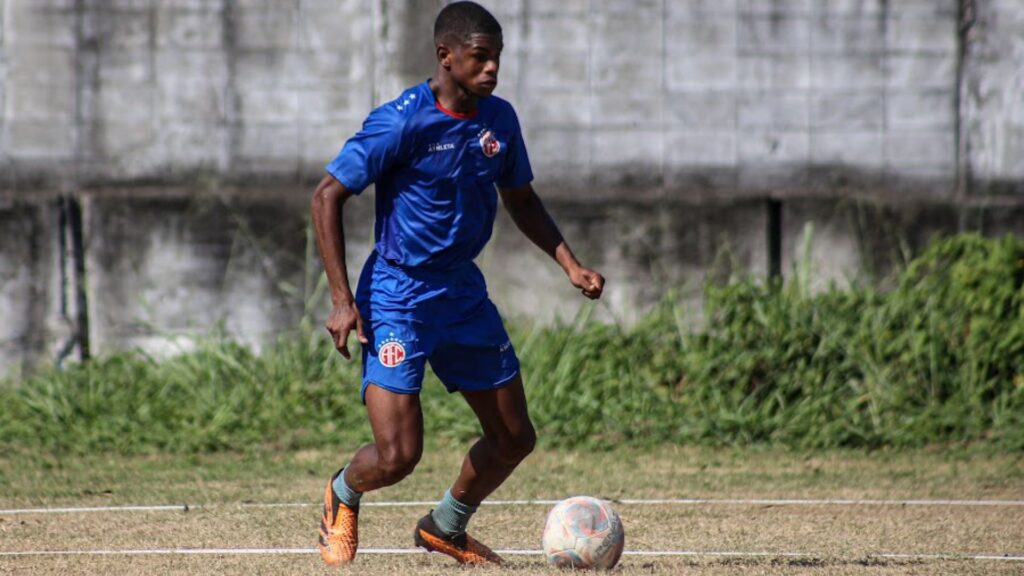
{"x":391,"y":352}
{"x":489,"y":144}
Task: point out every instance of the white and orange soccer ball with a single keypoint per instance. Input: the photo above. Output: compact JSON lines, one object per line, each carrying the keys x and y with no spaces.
{"x":583,"y":532}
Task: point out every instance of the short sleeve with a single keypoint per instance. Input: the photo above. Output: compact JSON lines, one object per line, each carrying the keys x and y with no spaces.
{"x":371,"y":152}
{"x":516,"y":171}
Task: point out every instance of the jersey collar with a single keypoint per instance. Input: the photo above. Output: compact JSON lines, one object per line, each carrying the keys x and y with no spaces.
{"x":452,"y":113}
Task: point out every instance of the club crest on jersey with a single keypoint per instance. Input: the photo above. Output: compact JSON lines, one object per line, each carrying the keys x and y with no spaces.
{"x":391,"y":352}
{"x":489,"y":144}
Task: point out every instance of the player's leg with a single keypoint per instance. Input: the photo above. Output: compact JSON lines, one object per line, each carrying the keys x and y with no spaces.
{"x":508,"y":438}
{"x":473,"y":355}
{"x":477,"y":359}
{"x":397,"y":424}
{"x":394,"y":362}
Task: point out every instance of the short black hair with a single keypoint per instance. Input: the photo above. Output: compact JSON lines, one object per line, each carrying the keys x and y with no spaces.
{"x":458,"y":21}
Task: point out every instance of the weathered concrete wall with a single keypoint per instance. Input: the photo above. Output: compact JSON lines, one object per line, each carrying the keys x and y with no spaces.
{"x":190,"y":131}
{"x":129,"y":90}
{"x":169,"y":268}
{"x":863,"y":243}
{"x":643,"y":249}
{"x":993,"y":96}
{"x":652,"y":97}
{"x":36,"y":306}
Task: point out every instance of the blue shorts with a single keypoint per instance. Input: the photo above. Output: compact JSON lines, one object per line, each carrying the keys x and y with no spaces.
{"x":413,"y":316}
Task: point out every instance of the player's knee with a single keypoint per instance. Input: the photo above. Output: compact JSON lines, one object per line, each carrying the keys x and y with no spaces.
{"x":397,"y":464}
{"x":515,"y":447}
{"x":528,"y":442}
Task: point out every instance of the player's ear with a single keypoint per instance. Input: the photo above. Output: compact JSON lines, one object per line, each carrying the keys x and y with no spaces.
{"x":444,"y":56}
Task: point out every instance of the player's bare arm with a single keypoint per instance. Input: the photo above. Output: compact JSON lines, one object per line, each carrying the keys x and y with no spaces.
{"x":326,"y":207}
{"x":528,"y":212}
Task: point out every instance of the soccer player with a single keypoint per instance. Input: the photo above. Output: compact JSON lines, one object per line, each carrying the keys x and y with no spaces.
{"x":435,"y":154}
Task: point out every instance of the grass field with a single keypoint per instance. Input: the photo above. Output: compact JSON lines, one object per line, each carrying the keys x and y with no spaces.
{"x":223,"y":492}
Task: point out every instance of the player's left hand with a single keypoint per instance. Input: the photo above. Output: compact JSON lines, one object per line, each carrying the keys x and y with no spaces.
{"x":588,"y":281}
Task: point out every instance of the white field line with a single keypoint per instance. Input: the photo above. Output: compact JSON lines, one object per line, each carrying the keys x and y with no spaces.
{"x":165,"y":508}
{"x":513,"y":552}
{"x":541,"y":502}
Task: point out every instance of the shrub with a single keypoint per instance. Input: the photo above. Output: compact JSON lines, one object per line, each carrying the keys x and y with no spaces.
{"x":938,"y":359}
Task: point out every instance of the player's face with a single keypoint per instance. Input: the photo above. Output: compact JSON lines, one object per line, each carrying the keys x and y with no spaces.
{"x":474,"y":65}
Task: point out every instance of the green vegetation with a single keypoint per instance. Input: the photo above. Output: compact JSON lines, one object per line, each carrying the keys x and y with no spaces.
{"x":937,"y":359}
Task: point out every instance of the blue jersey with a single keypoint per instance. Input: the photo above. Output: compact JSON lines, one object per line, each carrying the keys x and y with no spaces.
{"x":435,"y":173}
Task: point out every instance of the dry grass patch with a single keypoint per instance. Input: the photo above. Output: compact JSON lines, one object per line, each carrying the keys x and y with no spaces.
{"x":669,"y":472}
{"x":835,"y":539}
{"x":825,"y":532}
{"x":431,"y":565}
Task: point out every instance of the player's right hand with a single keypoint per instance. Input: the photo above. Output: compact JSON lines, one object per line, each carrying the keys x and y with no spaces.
{"x":343,"y":319}
{"x":590,"y":283}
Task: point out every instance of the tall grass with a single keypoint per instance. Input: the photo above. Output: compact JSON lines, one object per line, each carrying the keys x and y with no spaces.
{"x":937,"y":359}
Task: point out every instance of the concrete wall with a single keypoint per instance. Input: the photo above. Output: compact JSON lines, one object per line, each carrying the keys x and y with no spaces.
{"x":992,"y":95}
{"x":171,"y":267}
{"x":190,"y":133}
{"x":128,"y":90}
{"x":35,"y":307}
{"x":660,"y":96}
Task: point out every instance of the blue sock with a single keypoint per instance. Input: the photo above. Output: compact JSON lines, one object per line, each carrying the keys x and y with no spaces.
{"x":345,"y":493}
{"x":451,"y":516}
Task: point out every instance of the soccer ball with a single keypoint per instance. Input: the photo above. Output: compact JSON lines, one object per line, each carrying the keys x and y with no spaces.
{"x":583,"y":532}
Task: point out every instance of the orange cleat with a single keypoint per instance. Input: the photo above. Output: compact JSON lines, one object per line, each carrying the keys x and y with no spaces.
{"x":462,"y":547}
{"x":339,"y":533}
